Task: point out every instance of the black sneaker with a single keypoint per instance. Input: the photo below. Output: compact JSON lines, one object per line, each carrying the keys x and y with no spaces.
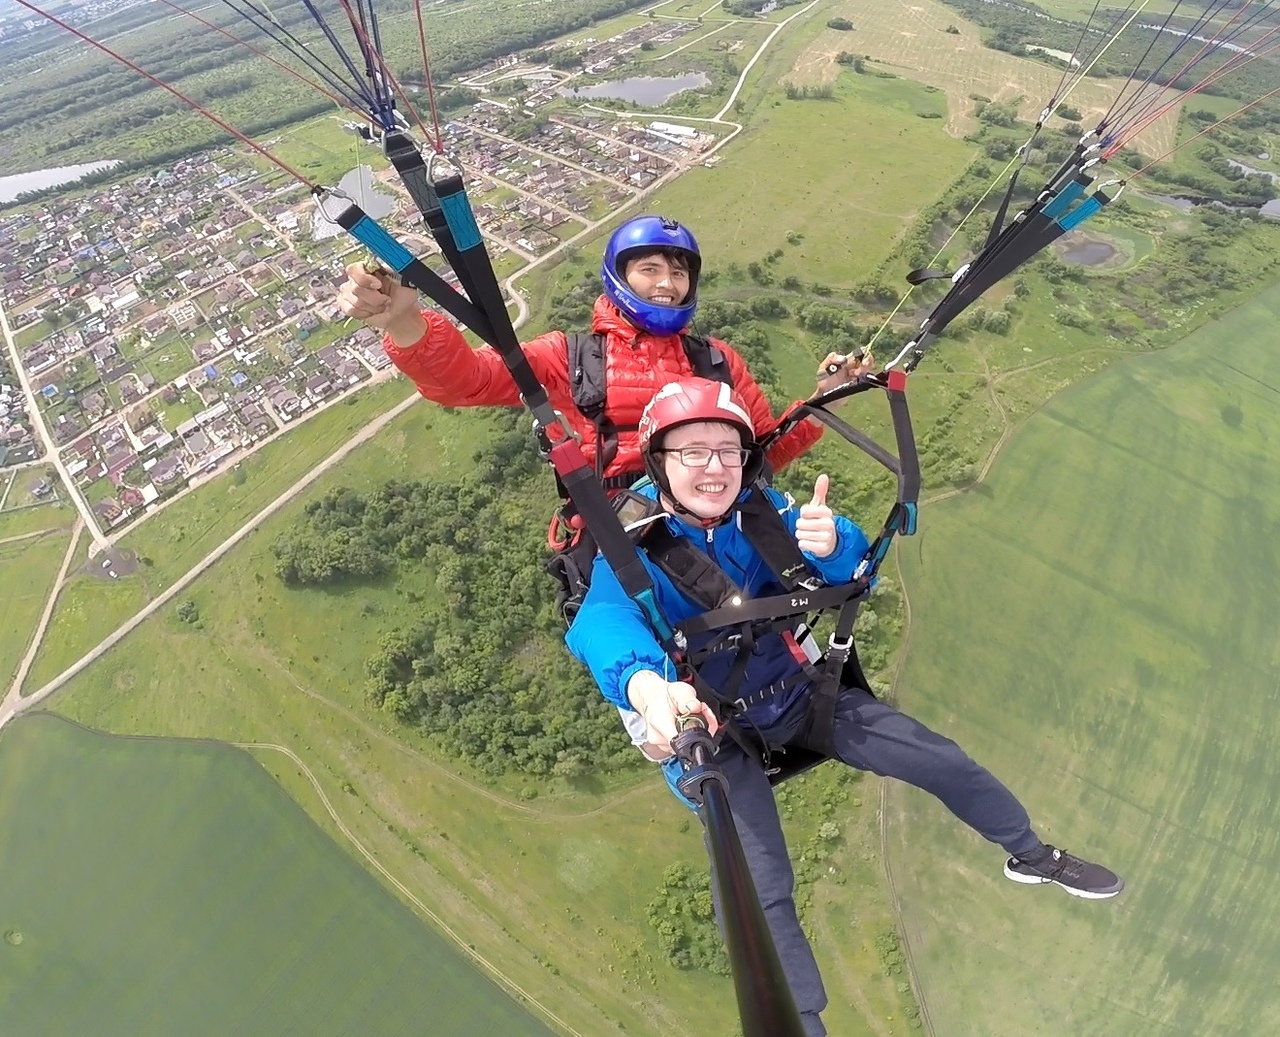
{"x":1078,"y":877}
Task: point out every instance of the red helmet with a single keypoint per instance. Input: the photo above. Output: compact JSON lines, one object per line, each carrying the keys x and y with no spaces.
{"x":684,"y":402}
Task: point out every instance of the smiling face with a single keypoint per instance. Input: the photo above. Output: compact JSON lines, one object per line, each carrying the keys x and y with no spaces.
{"x":710,"y":491}
{"x":659,"y":278}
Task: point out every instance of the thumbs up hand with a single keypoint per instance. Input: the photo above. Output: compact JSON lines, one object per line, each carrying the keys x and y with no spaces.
{"x":816,"y":526}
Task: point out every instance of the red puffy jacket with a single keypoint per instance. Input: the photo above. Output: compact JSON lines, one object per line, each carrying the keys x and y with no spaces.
{"x":448,"y":371}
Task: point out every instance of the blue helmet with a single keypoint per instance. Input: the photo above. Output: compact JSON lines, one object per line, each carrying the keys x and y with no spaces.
{"x":639,"y":236}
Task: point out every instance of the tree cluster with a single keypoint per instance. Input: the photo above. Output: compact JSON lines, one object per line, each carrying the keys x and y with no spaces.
{"x":682,"y":916}
{"x":476,"y":663}
{"x":818,"y":92}
{"x":571,"y":309}
{"x":457,"y":97}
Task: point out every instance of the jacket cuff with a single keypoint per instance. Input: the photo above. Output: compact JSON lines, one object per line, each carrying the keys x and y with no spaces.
{"x":392,"y":350}
{"x":624,"y":678}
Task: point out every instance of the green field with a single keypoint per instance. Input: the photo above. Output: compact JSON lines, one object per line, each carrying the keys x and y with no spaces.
{"x":219,"y":908}
{"x":564,"y":913}
{"x":550,"y":879}
{"x":1097,"y":624}
{"x":27,"y":571}
{"x":851,"y":201}
{"x":171,"y":542}
{"x":15,"y":523}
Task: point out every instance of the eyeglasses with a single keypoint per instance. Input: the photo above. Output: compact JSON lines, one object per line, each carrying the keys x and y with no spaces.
{"x":700,"y":456}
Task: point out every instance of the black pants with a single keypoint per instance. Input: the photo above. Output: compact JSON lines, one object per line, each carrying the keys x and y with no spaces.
{"x":871,"y":736}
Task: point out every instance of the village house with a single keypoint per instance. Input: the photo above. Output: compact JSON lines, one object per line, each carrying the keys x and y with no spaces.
{"x":284,"y":401}
{"x":319,"y":386}
{"x":109,"y":510}
{"x":256,"y":421}
{"x":166,"y":469}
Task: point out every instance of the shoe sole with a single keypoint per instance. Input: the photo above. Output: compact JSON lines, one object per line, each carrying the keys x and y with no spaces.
{"x":1040,"y":880}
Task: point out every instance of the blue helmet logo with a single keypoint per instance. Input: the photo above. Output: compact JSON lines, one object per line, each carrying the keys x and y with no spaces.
{"x":638,"y":237}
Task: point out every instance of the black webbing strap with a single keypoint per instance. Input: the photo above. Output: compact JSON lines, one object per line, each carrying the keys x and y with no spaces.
{"x":413,"y":272}
{"x":822,"y":709}
{"x":405,"y":155}
{"x":776,"y":607}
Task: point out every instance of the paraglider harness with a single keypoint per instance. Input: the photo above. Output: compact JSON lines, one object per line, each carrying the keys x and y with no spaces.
{"x":447,"y":212}
{"x":734,"y":622}
{"x":571,"y":542}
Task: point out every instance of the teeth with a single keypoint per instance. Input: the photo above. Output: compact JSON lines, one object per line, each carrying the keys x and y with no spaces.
{"x":713,"y":488}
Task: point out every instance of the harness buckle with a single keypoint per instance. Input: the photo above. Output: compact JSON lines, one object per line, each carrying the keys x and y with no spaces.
{"x":835,"y":645}
{"x":553,"y":434}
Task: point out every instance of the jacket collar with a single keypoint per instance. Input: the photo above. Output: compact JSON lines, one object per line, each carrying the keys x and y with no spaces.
{"x":607,"y":319}
{"x":684,"y":527}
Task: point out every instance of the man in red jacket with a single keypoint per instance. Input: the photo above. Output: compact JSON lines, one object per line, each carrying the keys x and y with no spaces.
{"x":650,"y":274}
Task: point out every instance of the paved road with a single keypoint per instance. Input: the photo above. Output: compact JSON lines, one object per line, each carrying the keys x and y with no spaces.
{"x":50,"y":447}
{"x":13,"y":704}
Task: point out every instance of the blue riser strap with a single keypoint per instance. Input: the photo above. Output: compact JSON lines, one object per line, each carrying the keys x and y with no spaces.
{"x":462,"y":223}
{"x":1063,"y":201}
{"x":1080,"y":214}
{"x":381,"y":244}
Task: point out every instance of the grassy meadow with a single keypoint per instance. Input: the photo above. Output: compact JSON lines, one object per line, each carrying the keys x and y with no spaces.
{"x":17,"y":522}
{"x":174,"y":540}
{"x":842,"y":234}
{"x":27,"y":571}
{"x":1096,"y":624}
{"x":910,"y":38}
{"x":847,"y":200}
{"x":549,"y":881}
{"x":563,"y":915}
{"x":219,"y":908}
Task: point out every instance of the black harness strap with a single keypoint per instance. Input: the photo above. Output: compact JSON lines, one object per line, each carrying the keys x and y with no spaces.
{"x":589,"y":383}
{"x":692,"y":571}
{"x":777,"y":608}
{"x":448,"y":214}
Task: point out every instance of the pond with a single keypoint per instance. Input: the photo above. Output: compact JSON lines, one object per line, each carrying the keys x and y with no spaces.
{"x":1088,"y":252}
{"x":37,"y":180}
{"x":649,"y":90}
{"x":359,"y":186}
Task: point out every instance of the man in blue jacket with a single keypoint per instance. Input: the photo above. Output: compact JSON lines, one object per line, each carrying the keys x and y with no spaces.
{"x":699,"y":449}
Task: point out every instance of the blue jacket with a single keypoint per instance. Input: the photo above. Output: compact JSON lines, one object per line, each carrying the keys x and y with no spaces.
{"x":612,"y":637}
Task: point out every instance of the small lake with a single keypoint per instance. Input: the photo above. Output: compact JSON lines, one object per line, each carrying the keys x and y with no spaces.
{"x":1088,"y":252}
{"x":650,"y":90}
{"x":18,"y":183}
{"x":359,"y":185}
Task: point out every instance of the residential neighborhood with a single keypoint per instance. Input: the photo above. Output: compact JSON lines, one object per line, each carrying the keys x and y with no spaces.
{"x":168,"y":323}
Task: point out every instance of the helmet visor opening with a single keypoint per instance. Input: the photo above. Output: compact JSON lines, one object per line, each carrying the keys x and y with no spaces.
{"x":680,"y":258}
